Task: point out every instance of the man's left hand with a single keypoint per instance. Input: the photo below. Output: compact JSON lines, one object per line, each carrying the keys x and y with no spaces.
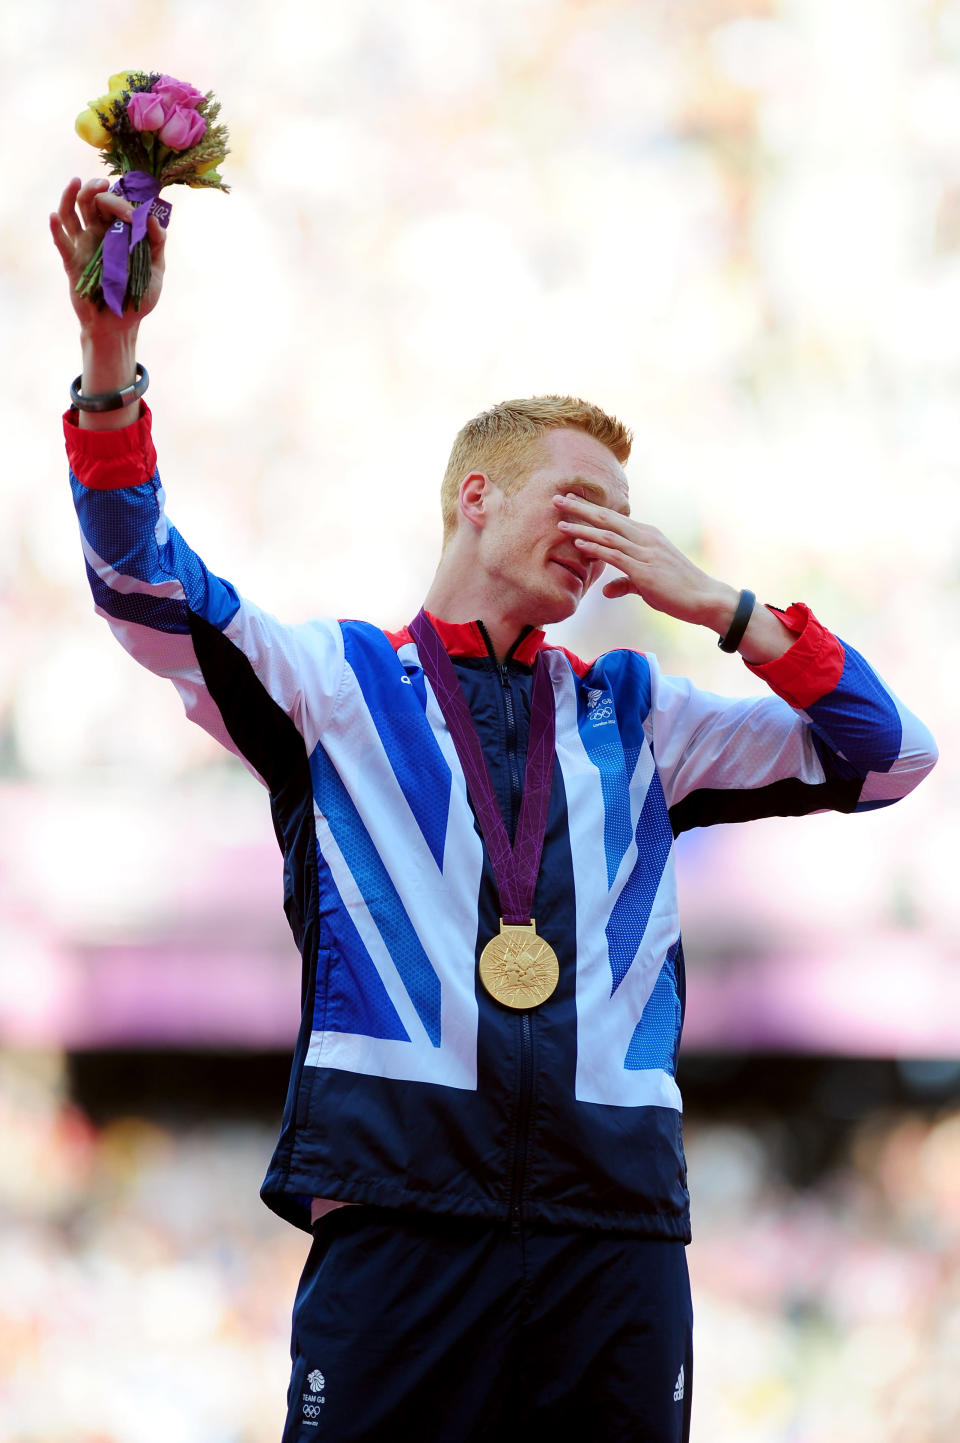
{"x":651,"y":566}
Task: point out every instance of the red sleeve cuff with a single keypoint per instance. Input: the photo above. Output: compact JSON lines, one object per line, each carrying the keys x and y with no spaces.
{"x":109,"y":460}
{"x":808,"y":669}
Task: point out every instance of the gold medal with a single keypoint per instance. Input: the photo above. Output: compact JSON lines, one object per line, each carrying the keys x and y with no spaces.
{"x":518,"y":968}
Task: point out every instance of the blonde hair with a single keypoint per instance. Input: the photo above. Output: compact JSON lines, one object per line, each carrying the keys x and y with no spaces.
{"x":503,"y":442}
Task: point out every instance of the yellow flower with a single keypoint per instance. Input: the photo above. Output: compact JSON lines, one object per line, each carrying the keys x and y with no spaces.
{"x":105,"y":102}
{"x":90,"y":128}
{"x":118,"y":82}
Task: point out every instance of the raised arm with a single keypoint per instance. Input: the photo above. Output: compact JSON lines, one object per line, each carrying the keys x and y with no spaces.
{"x":108,"y":343}
{"x":264,"y":690}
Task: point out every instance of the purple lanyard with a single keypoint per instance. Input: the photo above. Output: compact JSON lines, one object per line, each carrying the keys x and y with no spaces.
{"x":515,"y":867}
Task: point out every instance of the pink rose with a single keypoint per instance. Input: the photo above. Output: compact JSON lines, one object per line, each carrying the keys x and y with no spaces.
{"x":145,"y":111}
{"x":183,"y":129}
{"x":177,"y":93}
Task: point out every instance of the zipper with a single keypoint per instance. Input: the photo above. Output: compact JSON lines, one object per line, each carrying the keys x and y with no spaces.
{"x":512,"y":761}
{"x":520,"y":1129}
{"x":510,"y":720}
{"x":521,"y":1126}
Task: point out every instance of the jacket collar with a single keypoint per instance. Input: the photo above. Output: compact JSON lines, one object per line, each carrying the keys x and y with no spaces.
{"x":468,"y":638}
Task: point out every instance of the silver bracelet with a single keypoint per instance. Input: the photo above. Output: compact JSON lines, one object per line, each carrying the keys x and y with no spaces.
{"x":111,"y":400}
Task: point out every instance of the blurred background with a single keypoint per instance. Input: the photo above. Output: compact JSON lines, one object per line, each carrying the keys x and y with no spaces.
{"x":735,"y":223}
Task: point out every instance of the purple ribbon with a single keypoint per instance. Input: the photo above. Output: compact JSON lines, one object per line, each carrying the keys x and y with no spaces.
{"x":515,"y":867}
{"x":138,"y":187}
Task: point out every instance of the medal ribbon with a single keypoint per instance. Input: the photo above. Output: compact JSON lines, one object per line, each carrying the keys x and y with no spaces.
{"x":515,"y":867}
{"x":142,"y":191}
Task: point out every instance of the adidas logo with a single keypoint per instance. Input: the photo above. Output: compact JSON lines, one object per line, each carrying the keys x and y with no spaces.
{"x":678,"y":1387}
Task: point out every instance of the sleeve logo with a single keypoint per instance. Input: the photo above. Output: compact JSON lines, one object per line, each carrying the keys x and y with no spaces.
{"x":312,"y":1403}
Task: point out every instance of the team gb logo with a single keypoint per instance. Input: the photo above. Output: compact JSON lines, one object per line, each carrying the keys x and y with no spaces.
{"x":599,"y":706}
{"x":316,"y":1381}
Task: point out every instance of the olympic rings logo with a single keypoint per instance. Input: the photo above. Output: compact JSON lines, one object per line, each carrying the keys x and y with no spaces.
{"x":311,"y":1410}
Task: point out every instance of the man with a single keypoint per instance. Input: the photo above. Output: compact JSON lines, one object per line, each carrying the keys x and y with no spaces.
{"x":483,"y":1123}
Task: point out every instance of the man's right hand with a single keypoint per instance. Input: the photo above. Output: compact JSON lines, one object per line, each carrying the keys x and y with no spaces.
{"x":85,"y":213}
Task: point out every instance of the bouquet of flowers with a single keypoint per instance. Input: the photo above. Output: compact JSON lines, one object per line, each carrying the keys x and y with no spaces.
{"x":151,"y":131}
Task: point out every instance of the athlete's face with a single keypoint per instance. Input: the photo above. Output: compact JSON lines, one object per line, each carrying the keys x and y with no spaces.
{"x":525,"y":552}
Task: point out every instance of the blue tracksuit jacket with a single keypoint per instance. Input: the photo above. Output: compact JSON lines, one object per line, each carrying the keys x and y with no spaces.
{"x":410,"y":1087}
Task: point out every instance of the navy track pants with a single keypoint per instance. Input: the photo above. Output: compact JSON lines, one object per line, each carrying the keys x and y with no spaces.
{"x":446,"y":1330}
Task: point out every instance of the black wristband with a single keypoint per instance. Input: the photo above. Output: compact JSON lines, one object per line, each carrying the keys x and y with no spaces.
{"x":111,"y":400}
{"x":741,"y":619}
